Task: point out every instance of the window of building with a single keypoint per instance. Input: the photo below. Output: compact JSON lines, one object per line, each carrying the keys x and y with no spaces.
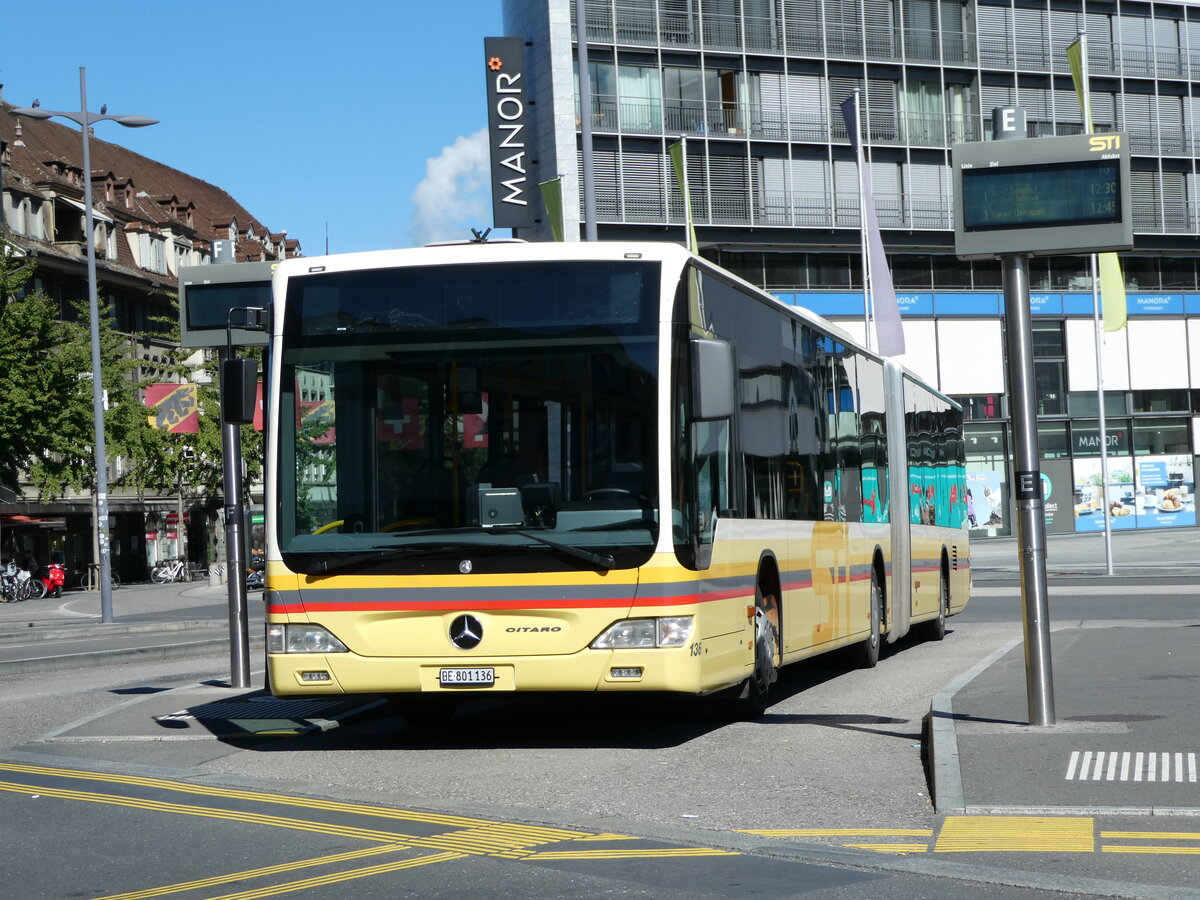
{"x":833,"y":270}
{"x":1141,"y":272}
{"x":1160,"y":401}
{"x":1048,"y":342}
{"x":1085,"y":437}
{"x":951,"y":272}
{"x":987,"y":406}
{"x":914,"y":271}
{"x":1070,"y":273}
{"x":1050,"y":387}
{"x":1178,"y":272}
{"x":987,"y":275}
{"x":1083,"y":403}
{"x":1161,"y":436}
{"x":1052,"y":440}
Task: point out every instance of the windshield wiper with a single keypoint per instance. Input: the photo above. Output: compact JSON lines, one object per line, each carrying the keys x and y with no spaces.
{"x":375,"y":554}
{"x":601,"y":560}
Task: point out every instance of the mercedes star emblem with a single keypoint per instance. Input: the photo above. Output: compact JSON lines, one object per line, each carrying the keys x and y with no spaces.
{"x":466,"y":632}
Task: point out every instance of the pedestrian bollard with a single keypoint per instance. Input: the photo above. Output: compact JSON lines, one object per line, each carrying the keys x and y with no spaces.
{"x":216,"y":575}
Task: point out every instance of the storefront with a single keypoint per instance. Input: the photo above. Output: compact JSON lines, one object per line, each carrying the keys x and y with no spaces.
{"x":1151,"y":468}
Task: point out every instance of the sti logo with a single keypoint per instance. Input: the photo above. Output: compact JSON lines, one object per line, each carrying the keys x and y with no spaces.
{"x":1102,"y":142}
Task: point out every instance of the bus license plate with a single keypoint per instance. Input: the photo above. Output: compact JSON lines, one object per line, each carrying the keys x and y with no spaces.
{"x":467,"y":677}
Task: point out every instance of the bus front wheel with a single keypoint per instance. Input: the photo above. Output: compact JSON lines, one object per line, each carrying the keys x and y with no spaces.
{"x":748,"y":700}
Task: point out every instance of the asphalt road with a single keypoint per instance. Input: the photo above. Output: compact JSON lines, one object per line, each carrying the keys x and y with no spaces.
{"x":835,"y":767}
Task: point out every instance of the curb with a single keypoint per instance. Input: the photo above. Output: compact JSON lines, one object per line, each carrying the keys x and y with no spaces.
{"x":34,"y":633}
{"x":163,"y":652}
{"x":945,"y":771}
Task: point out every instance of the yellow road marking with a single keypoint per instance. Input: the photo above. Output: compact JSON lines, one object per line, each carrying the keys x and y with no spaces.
{"x":258,"y":873}
{"x":838,"y":832}
{"x":630,"y":854}
{"x":892,"y":848}
{"x":1178,"y":851}
{"x":210,"y":812}
{"x":1153,"y":835}
{"x":325,"y":880}
{"x":228,"y":793}
{"x":607,"y":836}
{"x":973,"y":834}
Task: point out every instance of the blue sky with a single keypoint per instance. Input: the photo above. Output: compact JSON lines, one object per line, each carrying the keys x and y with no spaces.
{"x":363,"y":115}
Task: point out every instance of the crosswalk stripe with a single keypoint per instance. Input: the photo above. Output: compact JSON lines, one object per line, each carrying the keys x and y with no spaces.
{"x":1145,"y":766}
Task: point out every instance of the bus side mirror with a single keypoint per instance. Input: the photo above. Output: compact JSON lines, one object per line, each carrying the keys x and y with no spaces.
{"x":713,"y":395}
{"x":239,"y":390}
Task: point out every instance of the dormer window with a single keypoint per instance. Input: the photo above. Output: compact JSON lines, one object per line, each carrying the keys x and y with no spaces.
{"x":128,"y":196}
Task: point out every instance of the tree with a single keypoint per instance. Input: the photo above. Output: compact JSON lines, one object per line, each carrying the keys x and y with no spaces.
{"x":158,"y":460}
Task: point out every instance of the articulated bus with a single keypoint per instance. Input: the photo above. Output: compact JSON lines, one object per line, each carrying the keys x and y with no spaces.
{"x":589,"y":467}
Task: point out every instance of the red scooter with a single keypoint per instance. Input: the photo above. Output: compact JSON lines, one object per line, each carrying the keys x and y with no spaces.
{"x":54,"y":579}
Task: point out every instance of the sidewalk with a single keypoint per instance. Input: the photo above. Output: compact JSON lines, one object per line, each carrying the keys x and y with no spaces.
{"x":149,"y":620}
{"x":1125,"y":738}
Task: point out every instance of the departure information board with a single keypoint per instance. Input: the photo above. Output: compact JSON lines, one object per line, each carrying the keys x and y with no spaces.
{"x":1042,"y":196}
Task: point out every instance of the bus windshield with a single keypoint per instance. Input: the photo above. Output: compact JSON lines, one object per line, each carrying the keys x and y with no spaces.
{"x":499,"y":413}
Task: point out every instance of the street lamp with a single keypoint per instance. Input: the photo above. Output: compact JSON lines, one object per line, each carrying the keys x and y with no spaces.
{"x":85,"y":120}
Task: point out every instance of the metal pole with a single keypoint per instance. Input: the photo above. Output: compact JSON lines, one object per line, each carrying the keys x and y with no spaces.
{"x":1027,"y":484}
{"x":862,"y":222}
{"x":102,"y":533}
{"x":239,"y":627}
{"x":1086,"y":99}
{"x":585,"y":122}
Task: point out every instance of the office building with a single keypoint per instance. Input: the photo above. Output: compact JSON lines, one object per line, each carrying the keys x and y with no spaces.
{"x":756,"y":87}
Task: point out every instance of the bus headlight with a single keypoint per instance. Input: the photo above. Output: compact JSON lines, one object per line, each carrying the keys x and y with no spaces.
{"x":302,"y":639}
{"x":669,"y":631}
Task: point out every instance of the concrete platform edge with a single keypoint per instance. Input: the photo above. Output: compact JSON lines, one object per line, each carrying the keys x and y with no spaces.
{"x":945,"y":771}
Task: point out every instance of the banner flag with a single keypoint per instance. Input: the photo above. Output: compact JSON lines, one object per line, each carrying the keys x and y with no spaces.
{"x":176,"y":407}
{"x":886,"y":311}
{"x":552,"y":200}
{"x":1112,"y":279}
{"x":678,"y":153}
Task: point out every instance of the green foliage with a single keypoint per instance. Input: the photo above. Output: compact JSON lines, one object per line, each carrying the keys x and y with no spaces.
{"x":158,"y":458}
{"x":46,"y":417}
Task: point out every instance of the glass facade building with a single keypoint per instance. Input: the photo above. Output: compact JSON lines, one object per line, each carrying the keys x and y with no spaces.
{"x":756,"y":87}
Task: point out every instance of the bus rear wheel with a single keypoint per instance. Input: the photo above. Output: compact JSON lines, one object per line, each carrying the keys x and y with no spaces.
{"x":748,"y":700}
{"x":868,"y":650}
{"x":935,"y":629}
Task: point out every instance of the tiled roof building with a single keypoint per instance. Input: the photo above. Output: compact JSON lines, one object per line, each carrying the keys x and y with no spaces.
{"x":150,"y":220}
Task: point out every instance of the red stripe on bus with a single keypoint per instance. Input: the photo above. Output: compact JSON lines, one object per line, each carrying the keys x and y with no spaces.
{"x":449,"y":605}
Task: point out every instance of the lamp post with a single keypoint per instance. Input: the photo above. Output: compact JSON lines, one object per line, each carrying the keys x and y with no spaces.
{"x":85,"y":120}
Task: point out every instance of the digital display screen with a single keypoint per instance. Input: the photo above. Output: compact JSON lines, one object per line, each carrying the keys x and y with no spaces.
{"x":1084,"y":192}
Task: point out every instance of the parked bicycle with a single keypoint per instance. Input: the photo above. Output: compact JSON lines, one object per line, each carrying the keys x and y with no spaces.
{"x":15,"y":584}
{"x":89,"y":578}
{"x":171,"y":570}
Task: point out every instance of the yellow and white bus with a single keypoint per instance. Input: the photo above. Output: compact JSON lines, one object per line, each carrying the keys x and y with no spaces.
{"x":589,"y":467}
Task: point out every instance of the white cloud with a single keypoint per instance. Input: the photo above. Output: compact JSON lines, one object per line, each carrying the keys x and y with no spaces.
{"x":453,"y":196}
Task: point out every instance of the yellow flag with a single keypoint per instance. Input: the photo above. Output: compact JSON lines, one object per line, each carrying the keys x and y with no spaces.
{"x":552,"y":198}
{"x":1112,"y":292}
{"x":1112,"y":279}
{"x":678,"y":153}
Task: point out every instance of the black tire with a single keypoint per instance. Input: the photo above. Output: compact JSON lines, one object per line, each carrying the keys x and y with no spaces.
{"x":867,"y":653}
{"x":935,"y":629}
{"x":37,"y":589}
{"x":749,"y":700}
